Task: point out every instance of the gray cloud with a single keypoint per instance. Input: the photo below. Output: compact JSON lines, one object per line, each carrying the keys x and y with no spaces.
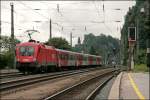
{"x":73,"y":16}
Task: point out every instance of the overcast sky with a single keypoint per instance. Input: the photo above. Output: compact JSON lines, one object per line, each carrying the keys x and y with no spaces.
{"x":72,"y":16}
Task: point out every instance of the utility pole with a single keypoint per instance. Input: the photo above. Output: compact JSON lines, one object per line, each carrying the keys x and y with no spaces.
{"x":50,"y":29}
{"x":0,"y":32}
{"x":0,"y":25}
{"x":148,"y":29}
{"x":12,"y":34}
{"x":12,"y":21}
{"x":71,"y":39}
{"x":132,"y":41}
{"x":138,"y":41}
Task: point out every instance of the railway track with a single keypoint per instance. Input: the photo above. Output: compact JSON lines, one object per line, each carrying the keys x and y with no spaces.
{"x":85,"y":90}
{"x":6,"y":87}
{"x":9,"y":75}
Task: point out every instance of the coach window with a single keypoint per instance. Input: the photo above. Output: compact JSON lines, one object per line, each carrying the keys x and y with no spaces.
{"x":84,"y":58}
{"x":66,"y":57}
{"x":73,"y":57}
{"x":61,"y":56}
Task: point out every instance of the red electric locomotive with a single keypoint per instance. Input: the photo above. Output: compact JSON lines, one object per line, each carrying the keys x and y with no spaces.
{"x":37,"y":57}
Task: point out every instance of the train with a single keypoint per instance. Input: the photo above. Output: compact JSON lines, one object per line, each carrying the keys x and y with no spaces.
{"x":35,"y":57}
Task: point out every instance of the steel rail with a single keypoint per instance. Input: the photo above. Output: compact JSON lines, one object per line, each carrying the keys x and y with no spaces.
{"x":93,"y":94}
{"x":2,"y":73}
{"x":9,"y":75}
{"x":24,"y":82}
{"x":57,"y":95}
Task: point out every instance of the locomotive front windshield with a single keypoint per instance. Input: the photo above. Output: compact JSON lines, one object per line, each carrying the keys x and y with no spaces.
{"x":26,"y":51}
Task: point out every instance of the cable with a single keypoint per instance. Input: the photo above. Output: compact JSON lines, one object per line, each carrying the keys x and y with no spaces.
{"x":10,"y":23}
{"x":37,"y":12}
{"x":14,"y":11}
{"x":65,"y":18}
{"x":32,"y":9}
{"x":104,"y":17}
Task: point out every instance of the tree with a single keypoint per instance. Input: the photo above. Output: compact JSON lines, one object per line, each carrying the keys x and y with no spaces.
{"x":98,"y":45}
{"x":93,"y":51}
{"x":6,"y":58}
{"x":5,"y":43}
{"x":79,"y":41}
{"x":59,"y":43}
{"x":141,"y":21}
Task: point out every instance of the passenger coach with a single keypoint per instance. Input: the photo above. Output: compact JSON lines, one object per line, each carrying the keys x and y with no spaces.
{"x":37,"y":57}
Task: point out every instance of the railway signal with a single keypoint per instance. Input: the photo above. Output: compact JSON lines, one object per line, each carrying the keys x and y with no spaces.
{"x":131,"y":40}
{"x":131,"y":33}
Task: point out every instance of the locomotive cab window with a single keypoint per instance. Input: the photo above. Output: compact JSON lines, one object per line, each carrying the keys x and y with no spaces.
{"x":26,"y":51}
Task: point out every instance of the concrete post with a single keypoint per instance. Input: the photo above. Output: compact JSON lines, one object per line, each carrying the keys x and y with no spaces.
{"x":12,"y":35}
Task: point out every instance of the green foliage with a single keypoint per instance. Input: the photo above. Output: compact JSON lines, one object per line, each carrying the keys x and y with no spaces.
{"x":141,"y":57}
{"x":78,"y":48}
{"x":6,"y":59}
{"x":98,"y":45}
{"x":6,"y":54}
{"x":6,"y":43}
{"x":3,"y":61}
{"x":92,"y":51}
{"x":141,"y":21}
{"x":141,"y":68}
{"x":59,"y":42}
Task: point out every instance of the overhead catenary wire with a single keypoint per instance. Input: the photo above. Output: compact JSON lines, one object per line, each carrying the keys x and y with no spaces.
{"x":104,"y":17}
{"x":58,"y":12}
{"x":15,"y":24}
{"x":67,"y":19}
{"x":38,"y":13}
{"x":15,"y":12}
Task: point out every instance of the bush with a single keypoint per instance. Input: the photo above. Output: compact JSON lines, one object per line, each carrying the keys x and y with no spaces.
{"x":6,"y":59}
{"x":3,"y":61}
{"x":141,"y":68}
{"x":141,"y":57}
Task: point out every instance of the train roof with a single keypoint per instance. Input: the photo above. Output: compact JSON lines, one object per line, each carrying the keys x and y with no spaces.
{"x":47,"y":47}
{"x":28,"y":43}
{"x":77,"y":53}
{"x":34,"y":44}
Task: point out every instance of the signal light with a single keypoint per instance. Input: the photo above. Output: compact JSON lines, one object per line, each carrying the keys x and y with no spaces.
{"x":131,"y":34}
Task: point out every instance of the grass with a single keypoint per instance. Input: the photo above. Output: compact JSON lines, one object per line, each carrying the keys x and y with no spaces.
{"x":141,"y":68}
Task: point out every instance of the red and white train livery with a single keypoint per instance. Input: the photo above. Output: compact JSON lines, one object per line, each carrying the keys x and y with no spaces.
{"x":37,"y":57}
